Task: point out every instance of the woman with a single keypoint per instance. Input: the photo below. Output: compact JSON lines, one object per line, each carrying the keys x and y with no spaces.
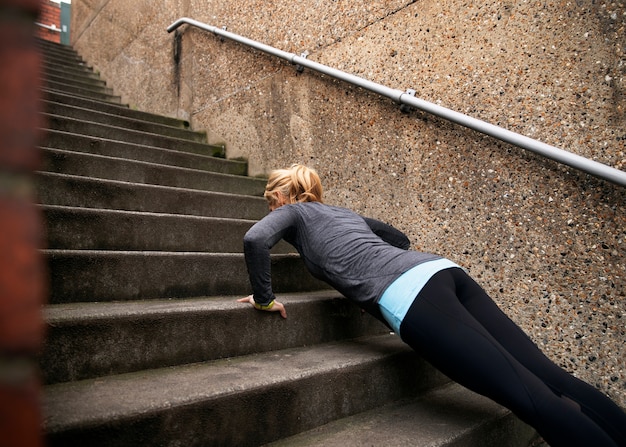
{"x":432,"y":304}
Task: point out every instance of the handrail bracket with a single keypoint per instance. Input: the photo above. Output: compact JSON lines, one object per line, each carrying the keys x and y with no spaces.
{"x":405,"y":108}
{"x":300,"y":67}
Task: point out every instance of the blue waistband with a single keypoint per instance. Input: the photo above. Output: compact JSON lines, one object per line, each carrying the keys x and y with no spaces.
{"x":398,"y":297}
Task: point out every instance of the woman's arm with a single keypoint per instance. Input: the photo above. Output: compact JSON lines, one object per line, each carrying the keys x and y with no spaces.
{"x":388,"y":233}
{"x":256,"y":246}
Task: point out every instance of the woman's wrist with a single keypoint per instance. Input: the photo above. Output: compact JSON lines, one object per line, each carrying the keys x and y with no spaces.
{"x":264,"y":306}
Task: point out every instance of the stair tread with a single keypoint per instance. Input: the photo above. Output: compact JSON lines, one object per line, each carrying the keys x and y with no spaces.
{"x":69,"y":313}
{"x":123,"y":275}
{"x":95,"y":211}
{"x":122,"y":129}
{"x":49,"y":66}
{"x":76,"y":81}
{"x":147,"y":154}
{"x":110,"y":229}
{"x":114,"y":108}
{"x":60,"y":64}
{"x":95,"y":401}
{"x":154,"y":253}
{"x":120,"y":133}
{"x":48,"y":92}
{"x":67,"y":82}
{"x":89,"y":155}
{"x":178,"y":175}
{"x":113,"y":99}
{"x":132,"y":122}
{"x":87,"y":340}
{"x":438,"y":418}
{"x":146,"y":185}
{"x":90,"y":228}
{"x":90,"y":192}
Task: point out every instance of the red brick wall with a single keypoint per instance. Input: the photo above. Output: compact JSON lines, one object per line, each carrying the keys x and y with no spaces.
{"x":22,"y":274}
{"x":50,"y":15}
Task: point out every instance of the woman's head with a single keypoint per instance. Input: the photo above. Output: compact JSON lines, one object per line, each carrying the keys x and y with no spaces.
{"x":293,"y":185}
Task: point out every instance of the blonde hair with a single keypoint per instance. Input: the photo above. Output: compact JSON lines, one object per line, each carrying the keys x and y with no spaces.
{"x":296,"y":184}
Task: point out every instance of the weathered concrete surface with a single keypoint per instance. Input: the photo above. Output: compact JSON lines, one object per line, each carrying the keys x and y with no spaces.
{"x":448,"y":416}
{"x":546,"y":242}
{"x":88,"y":340}
{"x":213,"y":403}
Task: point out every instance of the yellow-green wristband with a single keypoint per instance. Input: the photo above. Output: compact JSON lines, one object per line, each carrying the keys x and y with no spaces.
{"x":264,"y":307}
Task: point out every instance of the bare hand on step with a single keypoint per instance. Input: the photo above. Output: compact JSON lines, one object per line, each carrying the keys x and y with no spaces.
{"x":274,"y":306}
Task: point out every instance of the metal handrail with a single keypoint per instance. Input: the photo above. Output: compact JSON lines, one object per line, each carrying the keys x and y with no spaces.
{"x":408,"y":98}
{"x":49,"y":27}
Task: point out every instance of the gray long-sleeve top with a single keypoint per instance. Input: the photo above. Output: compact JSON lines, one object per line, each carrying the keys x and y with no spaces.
{"x":359,"y":257}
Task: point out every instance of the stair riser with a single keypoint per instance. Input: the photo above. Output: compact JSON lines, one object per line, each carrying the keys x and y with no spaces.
{"x":84,"y":229}
{"x":112,"y":120}
{"x":114,"y":109}
{"x":77,"y":81}
{"x":89,"y":90}
{"x":65,"y":60}
{"x":77,"y":350}
{"x":111,"y":148}
{"x":89,"y":94}
{"x":75,"y":72}
{"x":77,"y":276}
{"x":507,"y":431}
{"x":61,"y":54}
{"x":448,"y":416}
{"x":51,"y":48}
{"x":121,"y":134}
{"x":87,"y":165}
{"x":92,"y":193}
{"x":78,"y":72}
{"x":259,"y":416}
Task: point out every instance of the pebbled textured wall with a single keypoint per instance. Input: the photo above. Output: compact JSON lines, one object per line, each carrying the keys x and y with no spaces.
{"x":548,"y":243}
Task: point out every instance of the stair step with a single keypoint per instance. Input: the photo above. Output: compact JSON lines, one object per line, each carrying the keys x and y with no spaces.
{"x":52,"y":47}
{"x":72,"y":190}
{"x":113,"y":168}
{"x":88,"y":94}
{"x":248,"y":400}
{"x":77,"y":81}
{"x":113,"y":109}
{"x":79,"y":71}
{"x":83,"y":90}
{"x":62,"y":52}
{"x":95,"y":129}
{"x":68,"y":111}
{"x":118,"y":149}
{"x":87,"y":340}
{"x":448,"y":416}
{"x":85,"y":73}
{"x":63,"y":58}
{"x":99,"y":275}
{"x":101,"y":229}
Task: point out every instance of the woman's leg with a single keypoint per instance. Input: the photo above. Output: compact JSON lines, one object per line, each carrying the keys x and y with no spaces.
{"x":446,"y":334}
{"x":592,"y":402}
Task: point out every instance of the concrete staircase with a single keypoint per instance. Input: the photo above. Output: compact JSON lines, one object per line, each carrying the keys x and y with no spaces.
{"x":146,"y":344}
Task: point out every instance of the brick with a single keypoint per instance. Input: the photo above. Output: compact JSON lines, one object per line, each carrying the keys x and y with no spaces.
{"x":20,"y":414}
{"x":22,"y":288}
{"x":50,"y":15}
{"x":21,"y":276}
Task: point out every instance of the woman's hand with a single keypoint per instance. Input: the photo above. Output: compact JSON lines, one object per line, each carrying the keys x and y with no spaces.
{"x":274,"y":306}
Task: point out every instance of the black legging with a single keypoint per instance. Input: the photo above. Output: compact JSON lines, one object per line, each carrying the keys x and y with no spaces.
{"x":456,"y":326}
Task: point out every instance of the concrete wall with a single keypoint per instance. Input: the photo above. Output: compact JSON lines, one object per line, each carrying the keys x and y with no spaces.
{"x":548,"y":243}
